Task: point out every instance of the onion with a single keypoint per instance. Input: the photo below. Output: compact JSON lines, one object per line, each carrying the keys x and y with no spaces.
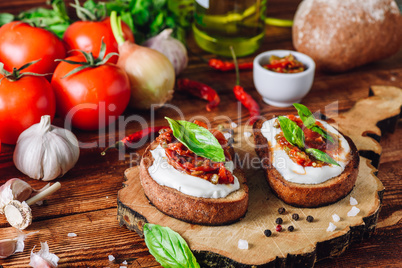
{"x":172,"y":48}
{"x":151,"y":74}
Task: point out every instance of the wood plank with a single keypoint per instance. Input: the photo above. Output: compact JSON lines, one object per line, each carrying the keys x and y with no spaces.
{"x":98,"y":235}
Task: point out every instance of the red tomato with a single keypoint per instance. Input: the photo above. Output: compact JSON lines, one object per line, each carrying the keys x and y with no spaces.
{"x":22,"y":103}
{"x":87,"y":36}
{"x":93,"y":97}
{"x":21,"y":43}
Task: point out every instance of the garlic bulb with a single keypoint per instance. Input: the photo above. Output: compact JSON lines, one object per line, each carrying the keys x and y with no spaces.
{"x":46,"y":152}
{"x":172,"y":48}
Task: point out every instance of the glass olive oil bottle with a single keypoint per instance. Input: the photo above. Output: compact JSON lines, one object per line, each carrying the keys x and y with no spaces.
{"x":219,"y":24}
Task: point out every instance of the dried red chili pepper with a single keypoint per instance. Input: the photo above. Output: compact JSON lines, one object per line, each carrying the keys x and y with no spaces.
{"x":200,"y":90}
{"x":229,"y":66}
{"x":135,"y":137}
{"x":243,"y":96}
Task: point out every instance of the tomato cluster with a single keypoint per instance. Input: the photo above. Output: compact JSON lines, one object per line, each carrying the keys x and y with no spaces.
{"x":89,"y":99}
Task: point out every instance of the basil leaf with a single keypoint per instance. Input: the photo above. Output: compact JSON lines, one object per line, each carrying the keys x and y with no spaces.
{"x":305,"y":115}
{"x":197,"y":139}
{"x":6,"y":18}
{"x":323,"y":133}
{"x":321,"y":156}
{"x":292,"y":132}
{"x":168,"y":247}
{"x":309,"y":121}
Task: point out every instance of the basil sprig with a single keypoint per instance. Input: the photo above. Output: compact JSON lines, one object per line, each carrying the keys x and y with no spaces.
{"x":197,"y":139}
{"x":309,"y":121}
{"x":295,"y":135}
{"x":320,"y":155}
{"x":292,"y":132}
{"x":168,"y":247}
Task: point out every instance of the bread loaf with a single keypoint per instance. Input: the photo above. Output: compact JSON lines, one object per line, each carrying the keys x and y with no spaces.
{"x":343,"y":34}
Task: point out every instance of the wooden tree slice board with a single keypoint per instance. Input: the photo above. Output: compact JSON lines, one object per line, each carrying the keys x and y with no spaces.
{"x":217,"y":246}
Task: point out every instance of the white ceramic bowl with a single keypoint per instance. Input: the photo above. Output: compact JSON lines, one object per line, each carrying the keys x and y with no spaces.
{"x":282,"y":89}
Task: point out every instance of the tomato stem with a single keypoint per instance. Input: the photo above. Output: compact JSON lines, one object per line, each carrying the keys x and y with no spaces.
{"x":90,"y":60}
{"x":16,"y":74}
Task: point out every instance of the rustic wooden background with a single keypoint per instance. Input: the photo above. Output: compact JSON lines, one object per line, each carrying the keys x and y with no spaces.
{"x":86,"y":204}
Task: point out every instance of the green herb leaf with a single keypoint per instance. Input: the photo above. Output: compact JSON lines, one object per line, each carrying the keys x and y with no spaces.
{"x":197,"y":139}
{"x":309,"y":121}
{"x":320,"y":155}
{"x":323,"y":133}
{"x":292,"y":132}
{"x":6,"y":18}
{"x":168,"y":247}
{"x":305,"y":115}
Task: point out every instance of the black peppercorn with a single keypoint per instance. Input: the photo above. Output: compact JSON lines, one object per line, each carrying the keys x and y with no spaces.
{"x":295,"y":216}
{"x":310,"y":218}
{"x":291,"y":228}
{"x":267,"y":233}
{"x":279,"y":221}
{"x":281,"y":210}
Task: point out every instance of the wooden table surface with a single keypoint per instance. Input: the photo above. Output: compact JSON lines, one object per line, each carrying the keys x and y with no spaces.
{"x":86,"y":203}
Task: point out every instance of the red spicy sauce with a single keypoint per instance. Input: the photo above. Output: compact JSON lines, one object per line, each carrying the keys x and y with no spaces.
{"x":181,"y":158}
{"x":312,"y":140}
{"x":287,"y":64}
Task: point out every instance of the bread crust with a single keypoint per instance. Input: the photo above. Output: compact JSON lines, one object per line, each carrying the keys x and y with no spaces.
{"x":197,"y":210}
{"x":341,"y":35}
{"x":306,"y":195}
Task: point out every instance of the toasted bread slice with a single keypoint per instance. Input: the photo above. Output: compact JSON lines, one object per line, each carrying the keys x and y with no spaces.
{"x":306,"y":195}
{"x":198,"y":210}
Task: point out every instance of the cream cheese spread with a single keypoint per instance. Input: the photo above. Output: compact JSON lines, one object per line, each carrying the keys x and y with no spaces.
{"x":166,"y":175}
{"x":293,"y":172}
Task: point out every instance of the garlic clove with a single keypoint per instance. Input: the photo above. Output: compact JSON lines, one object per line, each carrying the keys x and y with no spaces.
{"x":6,"y":196}
{"x":43,"y":258}
{"x":14,"y":189}
{"x":21,"y":189}
{"x":10,"y":246}
{"x":18,"y":214}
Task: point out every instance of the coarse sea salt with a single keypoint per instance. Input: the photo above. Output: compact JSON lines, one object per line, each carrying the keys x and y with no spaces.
{"x":353,"y":212}
{"x":123,"y":266}
{"x":336,"y":218}
{"x":124,"y":262}
{"x":331,"y":227}
{"x":227,"y":135}
{"x":233,"y":125}
{"x":71,"y":234}
{"x":353,"y":201}
{"x":247,"y":134}
{"x":111,"y":257}
{"x":243,"y":244}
